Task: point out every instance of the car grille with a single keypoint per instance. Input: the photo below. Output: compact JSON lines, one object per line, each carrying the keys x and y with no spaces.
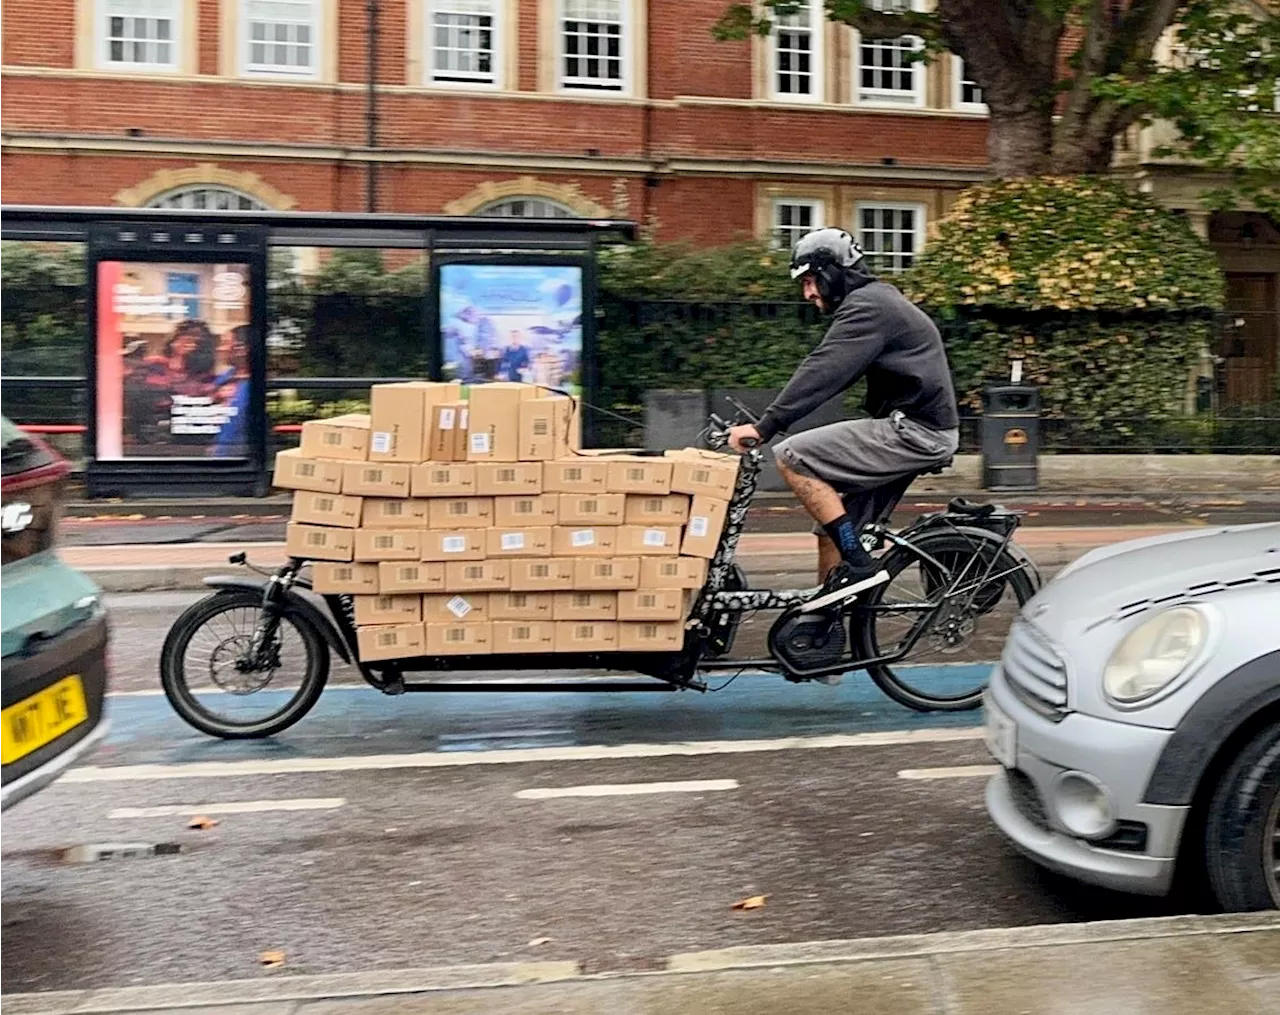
{"x":1035,"y":671}
{"x":1027,"y":798}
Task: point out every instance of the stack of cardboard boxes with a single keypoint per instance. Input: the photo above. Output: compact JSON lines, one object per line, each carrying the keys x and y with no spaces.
{"x":477,"y":526}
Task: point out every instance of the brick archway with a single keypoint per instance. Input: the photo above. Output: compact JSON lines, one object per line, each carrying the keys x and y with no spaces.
{"x":205,"y":174}
{"x":568,"y":194}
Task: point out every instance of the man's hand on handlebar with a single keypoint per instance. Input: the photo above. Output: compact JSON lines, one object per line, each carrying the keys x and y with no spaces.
{"x":744,"y":438}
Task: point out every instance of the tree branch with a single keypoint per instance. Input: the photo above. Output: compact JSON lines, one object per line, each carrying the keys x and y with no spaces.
{"x":879,"y":25}
{"x":1143,"y":24}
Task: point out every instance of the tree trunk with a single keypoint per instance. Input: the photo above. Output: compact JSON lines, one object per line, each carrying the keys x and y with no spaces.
{"x":1019,"y":143}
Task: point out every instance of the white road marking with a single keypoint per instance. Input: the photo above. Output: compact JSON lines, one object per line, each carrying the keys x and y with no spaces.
{"x":238,"y":807}
{"x":629,"y":789}
{"x":956,"y":772}
{"x":459,"y":759}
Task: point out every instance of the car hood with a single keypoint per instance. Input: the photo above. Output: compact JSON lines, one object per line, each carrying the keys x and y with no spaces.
{"x":1126,"y":578}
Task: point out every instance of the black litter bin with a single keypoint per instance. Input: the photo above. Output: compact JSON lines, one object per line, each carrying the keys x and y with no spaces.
{"x":1010,"y":438}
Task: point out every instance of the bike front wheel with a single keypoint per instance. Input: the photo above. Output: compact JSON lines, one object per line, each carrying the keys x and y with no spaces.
{"x":946,"y":652}
{"x":213,"y":685}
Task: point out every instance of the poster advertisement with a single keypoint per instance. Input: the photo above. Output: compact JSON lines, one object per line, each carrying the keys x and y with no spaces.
{"x":512,"y":322}
{"x":172,"y":360}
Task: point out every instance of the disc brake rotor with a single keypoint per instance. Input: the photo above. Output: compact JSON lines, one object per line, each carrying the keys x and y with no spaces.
{"x":951,"y":632}
{"x":226,"y":671}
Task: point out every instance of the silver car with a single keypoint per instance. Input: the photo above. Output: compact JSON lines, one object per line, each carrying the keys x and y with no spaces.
{"x":1135,"y":713}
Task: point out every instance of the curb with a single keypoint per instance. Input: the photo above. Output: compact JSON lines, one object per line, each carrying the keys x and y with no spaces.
{"x":378,"y":983}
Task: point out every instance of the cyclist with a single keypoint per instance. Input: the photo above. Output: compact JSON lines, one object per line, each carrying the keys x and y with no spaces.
{"x":847,"y":473}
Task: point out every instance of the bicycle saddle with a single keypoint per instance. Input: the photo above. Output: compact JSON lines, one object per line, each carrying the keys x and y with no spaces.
{"x":960,"y":506}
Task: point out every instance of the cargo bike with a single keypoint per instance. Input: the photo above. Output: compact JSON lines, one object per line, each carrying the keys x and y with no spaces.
{"x":925,"y":636}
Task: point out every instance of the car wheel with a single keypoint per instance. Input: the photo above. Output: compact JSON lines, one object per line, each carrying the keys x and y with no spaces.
{"x":1242,"y":830}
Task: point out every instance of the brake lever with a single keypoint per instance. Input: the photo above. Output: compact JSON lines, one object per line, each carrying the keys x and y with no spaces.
{"x":751,"y":417}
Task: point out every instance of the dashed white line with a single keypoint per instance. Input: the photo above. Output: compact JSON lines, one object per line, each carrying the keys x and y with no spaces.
{"x":236,"y":807}
{"x":460,"y":759}
{"x":628,"y":789}
{"x":955,"y":772}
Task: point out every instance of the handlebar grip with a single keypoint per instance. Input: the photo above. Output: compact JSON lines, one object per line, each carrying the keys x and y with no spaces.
{"x":751,"y":443}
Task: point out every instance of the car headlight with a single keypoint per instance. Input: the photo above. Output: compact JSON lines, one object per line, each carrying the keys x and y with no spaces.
{"x":1154,"y":654}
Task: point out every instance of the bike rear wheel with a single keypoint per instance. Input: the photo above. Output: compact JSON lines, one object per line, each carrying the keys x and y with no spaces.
{"x":204,"y":677}
{"x":952,"y":649}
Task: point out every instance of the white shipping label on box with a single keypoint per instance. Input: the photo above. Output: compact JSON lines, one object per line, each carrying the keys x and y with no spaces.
{"x":453,"y":544}
{"x":699,"y":525}
{"x":655,"y":537}
{"x":480,"y":443}
{"x":458,"y":606}
{"x":513,"y":540}
{"x":583,"y":537}
{"x":381,"y":442}
{"x":446,"y":419}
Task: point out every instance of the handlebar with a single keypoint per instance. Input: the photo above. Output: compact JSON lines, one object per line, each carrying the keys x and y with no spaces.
{"x":717,"y":432}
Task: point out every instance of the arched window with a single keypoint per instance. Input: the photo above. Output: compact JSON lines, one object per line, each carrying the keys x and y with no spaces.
{"x":207,"y":198}
{"x":527,"y":208}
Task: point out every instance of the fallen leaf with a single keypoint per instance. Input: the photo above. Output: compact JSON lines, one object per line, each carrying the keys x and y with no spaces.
{"x":202,"y":822}
{"x":539,"y":941}
{"x":755,"y":902}
{"x":271,"y":959}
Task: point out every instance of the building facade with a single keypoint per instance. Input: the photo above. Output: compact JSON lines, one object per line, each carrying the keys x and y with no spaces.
{"x":550,"y":107}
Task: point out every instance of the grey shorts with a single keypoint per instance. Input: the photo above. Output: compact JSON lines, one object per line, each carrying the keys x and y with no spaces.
{"x":857,"y":456}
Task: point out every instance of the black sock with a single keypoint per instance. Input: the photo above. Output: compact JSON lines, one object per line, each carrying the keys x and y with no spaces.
{"x":845,"y":535}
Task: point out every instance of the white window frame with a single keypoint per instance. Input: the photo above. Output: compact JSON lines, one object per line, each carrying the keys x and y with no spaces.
{"x":102,"y":41}
{"x":817,"y":58}
{"x":497,"y":35}
{"x":957,"y":89}
{"x":890,"y":98}
{"x":626,"y":52}
{"x":272,"y":72}
{"x":817,"y":216}
{"x":918,"y":230}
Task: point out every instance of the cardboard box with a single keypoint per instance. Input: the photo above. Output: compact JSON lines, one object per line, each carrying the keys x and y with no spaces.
{"x":575,"y":541}
{"x":317,"y":542}
{"x":512,"y":636}
{"x":440,"y":479}
{"x":544,"y":428}
{"x":586,"y":636}
{"x":443,"y":443}
{"x":400,"y":418}
{"x":508,"y":479}
{"x":402,"y":576}
{"x":326,"y":509}
{"x":592,"y":508}
{"x":460,"y":513}
{"x":493,"y":427}
{"x":394,"y":513}
{"x":530,"y":542}
{"x":614,"y":574}
{"x":696,"y":471}
{"x":521,"y":605}
{"x":580,"y":474}
{"x":387,"y":609}
{"x":706,"y":522}
{"x":673,"y":509}
{"x":344,"y":579}
{"x":388,"y":544}
{"x":454,"y":544}
{"x":515,"y":512}
{"x":462,"y":432}
{"x":345,"y":438}
{"x":653,"y":604}
{"x":368,"y":480}
{"x":640,"y":474}
{"x":586,"y":605}
{"x":390,"y":641}
{"x":479,"y":576}
{"x":673,"y":573}
{"x":294,"y":472}
{"x":651,"y":637}
{"x":475,"y":639}
{"x":551,"y":575}
{"x":455,"y":608}
{"x":648,"y":540}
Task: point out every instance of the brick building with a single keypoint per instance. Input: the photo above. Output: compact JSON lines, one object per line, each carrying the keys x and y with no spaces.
{"x":567,"y":107}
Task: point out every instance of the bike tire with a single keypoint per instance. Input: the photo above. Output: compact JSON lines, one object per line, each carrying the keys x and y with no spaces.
{"x":942,"y":545}
{"x":173,"y":678}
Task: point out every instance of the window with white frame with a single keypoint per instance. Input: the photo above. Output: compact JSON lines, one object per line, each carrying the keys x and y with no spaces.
{"x":205,"y":197}
{"x":798,"y":52}
{"x":527,"y":208}
{"x":281,"y":37}
{"x":139,"y":34}
{"x":792,"y":218}
{"x":966,"y":93}
{"x":886,"y":71}
{"x":593,"y":45}
{"x":463,"y":42}
{"x":891,"y":235}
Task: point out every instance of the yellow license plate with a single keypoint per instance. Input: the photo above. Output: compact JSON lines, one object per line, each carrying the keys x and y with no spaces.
{"x":42,"y":718}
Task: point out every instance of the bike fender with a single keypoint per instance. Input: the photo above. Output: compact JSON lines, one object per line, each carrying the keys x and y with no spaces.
{"x":1015,"y":551}
{"x":296,"y":602}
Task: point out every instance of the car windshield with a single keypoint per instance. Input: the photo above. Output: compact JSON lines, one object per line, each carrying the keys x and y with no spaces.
{"x":19,"y":452}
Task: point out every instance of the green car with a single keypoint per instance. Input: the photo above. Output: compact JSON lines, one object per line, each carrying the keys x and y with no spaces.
{"x":54,"y":631}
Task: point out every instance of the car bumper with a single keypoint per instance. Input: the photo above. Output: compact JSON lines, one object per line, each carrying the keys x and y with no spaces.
{"x":1120,"y":756}
{"x":38,"y":779}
